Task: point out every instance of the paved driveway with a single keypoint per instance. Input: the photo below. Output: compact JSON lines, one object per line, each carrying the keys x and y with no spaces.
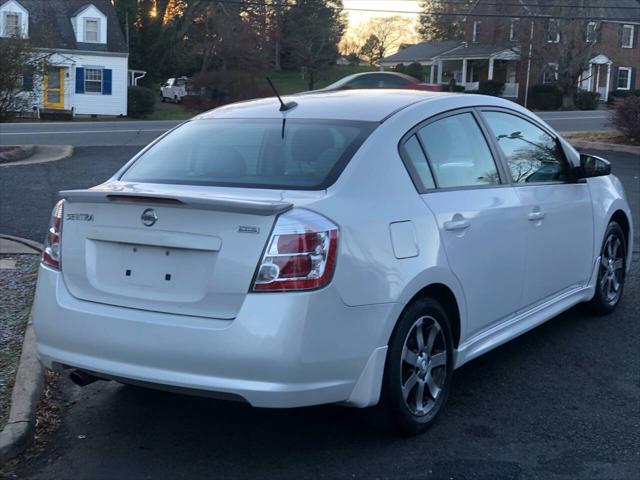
{"x":562,"y":401}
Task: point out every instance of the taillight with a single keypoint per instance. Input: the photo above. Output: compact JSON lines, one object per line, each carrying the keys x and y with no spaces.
{"x":300,"y":255}
{"x":51,"y":253}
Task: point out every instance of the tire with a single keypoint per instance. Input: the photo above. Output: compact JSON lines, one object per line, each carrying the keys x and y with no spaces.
{"x":611,"y":272}
{"x":163,"y":99}
{"x":409,"y":372}
{"x":176,"y":99}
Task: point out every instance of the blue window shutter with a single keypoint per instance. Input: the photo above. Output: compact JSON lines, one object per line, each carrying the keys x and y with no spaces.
{"x":27,"y":82}
{"x":106,"y":82}
{"x":79,"y":80}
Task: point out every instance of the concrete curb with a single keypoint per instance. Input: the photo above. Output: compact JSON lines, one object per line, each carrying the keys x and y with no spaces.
{"x":614,"y":147}
{"x":27,"y":390}
{"x":24,"y":245}
{"x":43,"y":154}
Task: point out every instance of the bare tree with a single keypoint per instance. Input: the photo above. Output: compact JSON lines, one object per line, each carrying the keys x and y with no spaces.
{"x":381,"y":36}
{"x":21,"y":70}
{"x":562,"y":47}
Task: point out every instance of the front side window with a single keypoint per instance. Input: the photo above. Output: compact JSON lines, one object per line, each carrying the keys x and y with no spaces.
{"x":627,"y":36}
{"x":91,"y":31}
{"x":624,"y":78}
{"x":93,"y":80}
{"x":252,"y":153}
{"x":12,"y":24}
{"x":532,"y":154}
{"x":553,"y":31}
{"x":458,"y":152}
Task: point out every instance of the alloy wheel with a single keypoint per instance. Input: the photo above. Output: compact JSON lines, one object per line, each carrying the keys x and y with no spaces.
{"x":423,"y":366}
{"x":612,"y":269}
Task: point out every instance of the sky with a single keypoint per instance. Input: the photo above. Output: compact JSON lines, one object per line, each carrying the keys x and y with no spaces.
{"x":358,"y":17}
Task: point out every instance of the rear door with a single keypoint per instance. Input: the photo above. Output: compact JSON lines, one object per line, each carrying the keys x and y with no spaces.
{"x":558,"y":212}
{"x":479,"y":217}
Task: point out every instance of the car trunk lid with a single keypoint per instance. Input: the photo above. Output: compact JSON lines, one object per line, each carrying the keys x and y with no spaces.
{"x":187,"y":252}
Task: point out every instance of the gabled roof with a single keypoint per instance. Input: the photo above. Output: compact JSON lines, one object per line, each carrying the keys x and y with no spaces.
{"x":421,"y":52}
{"x":629,"y":10}
{"x":471,"y":50}
{"x":50,"y":25}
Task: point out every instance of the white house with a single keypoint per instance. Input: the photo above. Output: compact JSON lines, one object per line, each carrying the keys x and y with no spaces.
{"x":88,"y":73}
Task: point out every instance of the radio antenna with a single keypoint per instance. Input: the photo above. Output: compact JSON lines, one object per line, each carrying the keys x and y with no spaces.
{"x":284,"y":107}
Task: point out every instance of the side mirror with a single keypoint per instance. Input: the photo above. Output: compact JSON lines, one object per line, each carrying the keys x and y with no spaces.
{"x":591,"y":166}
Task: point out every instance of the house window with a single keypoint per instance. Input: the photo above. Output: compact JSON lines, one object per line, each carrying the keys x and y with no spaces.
{"x":592,"y":32}
{"x":12,"y":24}
{"x":624,"y":78}
{"x":93,"y":80}
{"x":628,"y":32}
{"x":553,"y":31}
{"x":514,"y":26}
{"x":91,"y":30}
{"x":476,"y":30}
{"x":550,"y":73}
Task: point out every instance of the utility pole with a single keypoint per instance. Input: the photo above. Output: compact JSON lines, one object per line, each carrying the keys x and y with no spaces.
{"x":526,"y":91}
{"x":126,"y":27}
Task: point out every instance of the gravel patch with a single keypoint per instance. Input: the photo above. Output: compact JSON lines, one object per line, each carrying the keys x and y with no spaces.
{"x":17,"y":285}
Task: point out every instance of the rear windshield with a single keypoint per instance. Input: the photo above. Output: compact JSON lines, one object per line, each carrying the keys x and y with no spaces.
{"x":299,"y":154}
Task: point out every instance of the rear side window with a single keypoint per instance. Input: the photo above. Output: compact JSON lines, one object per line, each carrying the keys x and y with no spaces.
{"x":532,"y":154}
{"x":458,"y":152}
{"x":298,"y":154}
{"x":418,"y":163}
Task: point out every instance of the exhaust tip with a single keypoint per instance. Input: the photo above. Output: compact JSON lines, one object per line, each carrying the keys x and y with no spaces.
{"x":82,"y":379}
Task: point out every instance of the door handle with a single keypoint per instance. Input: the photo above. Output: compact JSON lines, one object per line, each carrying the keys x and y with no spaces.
{"x":454,"y":225}
{"x":536,"y":216}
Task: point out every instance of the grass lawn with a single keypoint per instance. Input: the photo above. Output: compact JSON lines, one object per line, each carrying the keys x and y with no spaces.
{"x":287,"y":83}
{"x":170,"y":111}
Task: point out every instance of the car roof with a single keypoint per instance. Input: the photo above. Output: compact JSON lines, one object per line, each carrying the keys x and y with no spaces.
{"x":373,"y":105}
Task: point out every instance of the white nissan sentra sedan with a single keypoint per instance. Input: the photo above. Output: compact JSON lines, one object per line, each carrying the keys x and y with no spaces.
{"x":354,"y":248}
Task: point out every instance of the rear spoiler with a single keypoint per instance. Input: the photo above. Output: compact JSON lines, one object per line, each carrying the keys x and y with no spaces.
{"x":219,"y":204}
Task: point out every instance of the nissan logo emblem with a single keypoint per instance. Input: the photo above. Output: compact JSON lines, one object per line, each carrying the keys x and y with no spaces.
{"x":149,"y":217}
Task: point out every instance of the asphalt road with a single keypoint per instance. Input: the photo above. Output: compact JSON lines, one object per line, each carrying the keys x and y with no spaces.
{"x":124,"y":132}
{"x":562,"y":401}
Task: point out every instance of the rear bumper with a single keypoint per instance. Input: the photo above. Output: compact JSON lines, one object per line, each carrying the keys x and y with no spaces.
{"x":282,"y":350}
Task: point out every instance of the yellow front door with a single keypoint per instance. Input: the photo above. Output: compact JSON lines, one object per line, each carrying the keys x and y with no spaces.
{"x":54,"y":88}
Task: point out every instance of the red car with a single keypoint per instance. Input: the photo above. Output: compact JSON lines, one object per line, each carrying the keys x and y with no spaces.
{"x":381,"y":80}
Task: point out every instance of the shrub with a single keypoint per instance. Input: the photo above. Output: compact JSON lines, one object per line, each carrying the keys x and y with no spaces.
{"x":587,"y":100}
{"x":626,"y":117}
{"x":415,"y":70}
{"x":494,"y":88}
{"x":545,"y":97}
{"x":624,"y":93}
{"x":400,"y":68}
{"x":140,"y":101}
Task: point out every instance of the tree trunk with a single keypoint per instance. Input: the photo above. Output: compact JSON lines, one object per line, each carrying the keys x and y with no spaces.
{"x":312,"y":79}
{"x":568,"y":102}
{"x":276,"y":64}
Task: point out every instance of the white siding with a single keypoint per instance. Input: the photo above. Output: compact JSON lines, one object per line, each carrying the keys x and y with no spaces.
{"x":94,"y":103}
